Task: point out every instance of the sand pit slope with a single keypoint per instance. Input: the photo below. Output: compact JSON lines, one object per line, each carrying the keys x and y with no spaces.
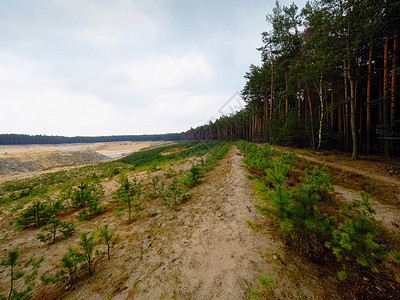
{"x":31,"y":163}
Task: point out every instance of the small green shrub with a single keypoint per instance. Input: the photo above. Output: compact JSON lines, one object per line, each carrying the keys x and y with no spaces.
{"x":54,"y":226}
{"x":38,"y":214}
{"x":252,"y":225}
{"x":85,"y":193}
{"x":72,"y":265}
{"x":193,"y":176}
{"x":29,"y":277}
{"x":107,"y":237}
{"x":87,"y":243}
{"x":319,"y":180}
{"x":267,"y":283}
{"x":288,"y":158}
{"x":157,"y":188}
{"x":129,"y":193}
{"x":176,"y":192}
{"x":355,"y":239}
{"x":170,"y":172}
{"x":173,"y":193}
{"x":277,"y":173}
{"x":310,"y":230}
{"x":294,"y":209}
{"x":256,"y":158}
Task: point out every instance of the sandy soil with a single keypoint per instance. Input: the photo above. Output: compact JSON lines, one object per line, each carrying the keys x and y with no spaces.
{"x":202,"y":250}
{"x":375,"y":172}
{"x":389,"y":215}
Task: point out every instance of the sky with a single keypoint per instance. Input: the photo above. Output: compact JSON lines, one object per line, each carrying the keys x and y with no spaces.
{"x":122,"y":67}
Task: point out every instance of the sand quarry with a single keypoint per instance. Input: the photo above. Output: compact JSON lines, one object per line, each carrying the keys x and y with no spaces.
{"x":18,"y":161}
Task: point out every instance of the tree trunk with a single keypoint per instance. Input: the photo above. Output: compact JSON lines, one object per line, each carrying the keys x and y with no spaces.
{"x":298,"y":103}
{"x":385,"y":94}
{"x":340,"y":115}
{"x":311,"y":118}
{"x":346,"y":108}
{"x":394,"y":77}
{"x":272,"y":83}
{"x":266,"y":118}
{"x":321,"y":119}
{"x":12,"y":282}
{"x":361,"y":125}
{"x":332,"y":112}
{"x":351,"y":73}
{"x":369,"y":127}
{"x":355,"y":99}
{"x":326,"y":116}
{"x":286,"y":99}
{"x":353,"y":119}
{"x":380,"y":109}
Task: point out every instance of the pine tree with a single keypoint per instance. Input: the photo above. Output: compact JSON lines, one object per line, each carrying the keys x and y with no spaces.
{"x":108,"y":237}
{"x":12,"y":261}
{"x":87,"y":246}
{"x":130,"y":194}
{"x":37,"y":214}
{"x":71,"y":262}
{"x":56,"y":225}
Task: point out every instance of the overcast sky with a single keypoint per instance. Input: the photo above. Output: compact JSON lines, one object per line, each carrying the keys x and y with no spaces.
{"x":113,"y":67}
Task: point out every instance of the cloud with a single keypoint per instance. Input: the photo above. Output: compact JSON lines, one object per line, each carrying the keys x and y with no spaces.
{"x":35,"y":104}
{"x":38,"y":105}
{"x":162,"y":72}
{"x":177,"y":111}
{"x":91,"y":67}
{"x":101,"y":23}
{"x":108,"y":22}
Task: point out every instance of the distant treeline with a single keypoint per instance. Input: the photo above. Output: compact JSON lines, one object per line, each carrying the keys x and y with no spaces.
{"x":24,"y":139}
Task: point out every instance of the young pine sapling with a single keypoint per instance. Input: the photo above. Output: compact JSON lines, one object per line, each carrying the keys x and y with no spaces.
{"x":87,"y":245}
{"x":12,"y":261}
{"x":107,"y":237}
{"x":71,"y":264}
{"x":54,"y":226}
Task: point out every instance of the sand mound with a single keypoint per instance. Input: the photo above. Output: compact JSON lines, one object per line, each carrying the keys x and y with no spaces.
{"x":31,"y":163}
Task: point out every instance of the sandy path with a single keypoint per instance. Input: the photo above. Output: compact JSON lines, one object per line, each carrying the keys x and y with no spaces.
{"x":389,"y":179}
{"x":204,"y":250}
{"x":388,"y":214}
